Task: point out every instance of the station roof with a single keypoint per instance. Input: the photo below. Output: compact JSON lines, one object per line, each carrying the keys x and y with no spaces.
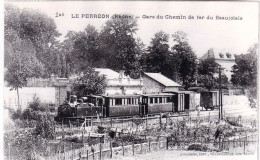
{"x":162,"y":79}
{"x":109,"y":73}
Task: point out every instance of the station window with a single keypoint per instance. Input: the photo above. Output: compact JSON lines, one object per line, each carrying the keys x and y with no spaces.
{"x":118,"y":101}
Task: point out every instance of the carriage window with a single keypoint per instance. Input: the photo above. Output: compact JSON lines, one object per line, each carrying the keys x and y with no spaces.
{"x":169,"y":99}
{"x":160,"y":100}
{"x":118,"y":101}
{"x":128,"y":100}
{"x":151,"y":100}
{"x":156,"y":100}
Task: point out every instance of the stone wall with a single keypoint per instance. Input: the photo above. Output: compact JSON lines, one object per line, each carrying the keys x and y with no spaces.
{"x":151,"y":86}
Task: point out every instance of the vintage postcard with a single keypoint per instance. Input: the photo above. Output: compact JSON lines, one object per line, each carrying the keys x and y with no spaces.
{"x":89,"y":80}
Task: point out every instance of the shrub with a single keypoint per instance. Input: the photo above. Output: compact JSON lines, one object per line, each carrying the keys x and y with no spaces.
{"x":36,"y":105}
{"x":197,"y":147}
{"x":45,"y":127}
{"x":16,"y":114}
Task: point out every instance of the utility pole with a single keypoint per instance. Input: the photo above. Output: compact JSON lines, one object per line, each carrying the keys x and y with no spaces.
{"x":220,"y":97}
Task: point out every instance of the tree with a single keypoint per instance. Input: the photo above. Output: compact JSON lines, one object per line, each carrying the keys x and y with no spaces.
{"x":208,"y":67}
{"x":119,"y":45}
{"x":87,"y":48}
{"x":158,"y":58}
{"x":22,"y":66}
{"x":245,"y":70}
{"x":184,"y":59}
{"x":90,"y":82}
{"x":33,"y":27}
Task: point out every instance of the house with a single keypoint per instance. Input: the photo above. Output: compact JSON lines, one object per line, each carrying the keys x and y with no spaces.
{"x":118,"y":83}
{"x":157,"y":83}
{"x":224,"y":58}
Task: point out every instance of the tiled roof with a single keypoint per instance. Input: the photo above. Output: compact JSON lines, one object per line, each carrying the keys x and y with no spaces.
{"x":218,"y":54}
{"x":162,"y":79}
{"x":109,"y":73}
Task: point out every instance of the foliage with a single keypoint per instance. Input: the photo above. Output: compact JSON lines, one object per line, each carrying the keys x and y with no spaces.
{"x":245,"y":69}
{"x":208,"y":67}
{"x":208,"y":76}
{"x":197,"y":147}
{"x":45,"y":127}
{"x":121,"y":50}
{"x":90,"y":82}
{"x":36,"y":105}
{"x":159,"y":57}
{"x":34,"y":31}
{"x":185,"y":59}
{"x":22,"y":66}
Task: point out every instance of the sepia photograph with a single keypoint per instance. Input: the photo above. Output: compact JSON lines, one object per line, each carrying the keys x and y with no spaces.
{"x":131,"y":80}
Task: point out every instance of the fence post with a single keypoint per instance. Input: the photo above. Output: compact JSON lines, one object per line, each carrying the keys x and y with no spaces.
{"x":111,"y":150}
{"x":146,"y":119}
{"x":141,"y":148}
{"x":209,"y":116}
{"x":167,"y":141}
{"x":87,"y":154}
{"x":9,"y":151}
{"x":123,"y":148}
{"x":100,"y":149}
{"x":244,"y":147}
{"x":161,"y":120}
{"x":133,"y":146}
{"x":246,"y":140}
{"x":240,"y":141}
{"x":149,"y":143}
{"x":132,"y":122}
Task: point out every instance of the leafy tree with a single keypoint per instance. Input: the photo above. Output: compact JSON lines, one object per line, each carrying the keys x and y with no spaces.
{"x":120,"y":47}
{"x":208,"y":67}
{"x":158,"y":58}
{"x":33,"y":27}
{"x":90,"y":82}
{"x":22,"y":66}
{"x":245,"y":70}
{"x":87,"y":48}
{"x":184,"y":59}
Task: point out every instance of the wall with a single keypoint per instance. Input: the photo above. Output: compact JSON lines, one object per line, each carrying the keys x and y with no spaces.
{"x":172,"y":89}
{"x":151,"y":86}
{"x":227,"y":65}
{"x":45,"y":94}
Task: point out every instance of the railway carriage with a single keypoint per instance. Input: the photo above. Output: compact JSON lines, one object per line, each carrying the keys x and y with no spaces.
{"x":121,"y":105}
{"x":157,"y":103}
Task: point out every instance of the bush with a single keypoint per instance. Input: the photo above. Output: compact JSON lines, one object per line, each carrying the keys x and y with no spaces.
{"x":45,"y":127}
{"x":197,"y":147}
{"x":16,"y":114}
{"x":36,"y":105}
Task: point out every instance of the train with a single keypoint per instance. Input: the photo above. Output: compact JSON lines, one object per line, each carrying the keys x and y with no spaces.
{"x":123,"y":105}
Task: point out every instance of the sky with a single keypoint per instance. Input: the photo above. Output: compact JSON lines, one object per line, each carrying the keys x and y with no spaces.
{"x":234,"y":36}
